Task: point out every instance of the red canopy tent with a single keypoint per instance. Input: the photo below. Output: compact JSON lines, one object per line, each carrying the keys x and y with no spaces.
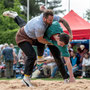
{"x":79,"y":27}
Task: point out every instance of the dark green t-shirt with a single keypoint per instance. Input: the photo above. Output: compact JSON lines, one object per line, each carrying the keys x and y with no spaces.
{"x":54,"y":29}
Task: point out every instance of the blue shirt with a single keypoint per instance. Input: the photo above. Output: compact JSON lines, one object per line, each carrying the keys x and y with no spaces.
{"x":8,"y":53}
{"x":46,"y":52}
{"x":74,"y":61}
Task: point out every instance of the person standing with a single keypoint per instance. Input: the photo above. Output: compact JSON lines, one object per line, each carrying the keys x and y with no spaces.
{"x":8,"y":55}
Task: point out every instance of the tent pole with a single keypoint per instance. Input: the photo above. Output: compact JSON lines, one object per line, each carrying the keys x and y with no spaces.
{"x":28,"y":10}
{"x":68,"y":5}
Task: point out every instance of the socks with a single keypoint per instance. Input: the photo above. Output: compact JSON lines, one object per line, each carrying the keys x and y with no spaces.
{"x":27,"y":75}
{"x":39,"y":57}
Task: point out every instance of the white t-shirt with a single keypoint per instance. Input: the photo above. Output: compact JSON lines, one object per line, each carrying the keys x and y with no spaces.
{"x":86,"y":62}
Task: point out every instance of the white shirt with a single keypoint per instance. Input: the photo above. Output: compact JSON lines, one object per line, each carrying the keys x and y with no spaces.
{"x":86,"y":62}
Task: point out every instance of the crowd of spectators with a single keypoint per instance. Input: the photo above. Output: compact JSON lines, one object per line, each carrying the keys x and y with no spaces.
{"x":46,"y":67}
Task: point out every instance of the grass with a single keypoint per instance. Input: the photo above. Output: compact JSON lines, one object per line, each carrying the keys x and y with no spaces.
{"x":47,"y":79}
{"x":58,"y":79}
{"x":6,"y":78}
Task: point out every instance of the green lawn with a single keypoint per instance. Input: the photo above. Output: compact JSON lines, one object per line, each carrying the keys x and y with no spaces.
{"x":7,"y":79}
{"x":48,"y":79}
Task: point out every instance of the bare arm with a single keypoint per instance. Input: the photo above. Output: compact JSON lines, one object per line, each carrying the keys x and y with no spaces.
{"x":49,"y":61}
{"x":14,"y":54}
{"x":75,"y":65}
{"x":69,"y":66}
{"x":65,"y":23}
{"x":42,"y":40}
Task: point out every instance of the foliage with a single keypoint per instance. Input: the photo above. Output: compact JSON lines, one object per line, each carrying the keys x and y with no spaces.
{"x":88,"y":14}
{"x":54,"y":5}
{"x":33,"y":7}
{"x":8,"y":36}
{"x":5,"y":22}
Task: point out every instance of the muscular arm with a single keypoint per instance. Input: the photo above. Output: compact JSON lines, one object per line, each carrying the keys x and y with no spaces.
{"x":42,"y":40}
{"x":65,"y":23}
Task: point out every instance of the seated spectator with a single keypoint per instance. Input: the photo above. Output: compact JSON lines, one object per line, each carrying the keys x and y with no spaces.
{"x":50,"y":64}
{"x":74,"y":61}
{"x":85,"y":64}
{"x":55,"y":69}
{"x":44,"y":68}
{"x":38,"y":69}
{"x":79,"y":63}
{"x":54,"y":72}
{"x":81,"y":50}
{"x":79,"y":56}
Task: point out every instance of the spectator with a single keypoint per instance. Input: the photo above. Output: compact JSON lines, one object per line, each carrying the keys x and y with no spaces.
{"x":9,"y":56}
{"x":49,"y":66}
{"x":44,"y":68}
{"x":12,"y":46}
{"x":55,"y":69}
{"x":70,"y":48}
{"x":80,"y":54}
{"x":1,"y":49}
{"x":20,"y":65}
{"x":46,"y":52}
{"x":54,"y":72}
{"x":19,"y":53}
{"x":22,"y":60}
{"x":38,"y":69}
{"x":15,"y":56}
{"x":89,"y":53}
{"x":85,"y":64}
{"x":74,"y":61}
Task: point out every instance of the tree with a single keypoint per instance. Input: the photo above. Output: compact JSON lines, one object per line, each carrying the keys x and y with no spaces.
{"x":8,"y":3}
{"x":88,"y":14}
{"x":5,"y":22}
{"x":33,"y":7}
{"x":55,"y":5}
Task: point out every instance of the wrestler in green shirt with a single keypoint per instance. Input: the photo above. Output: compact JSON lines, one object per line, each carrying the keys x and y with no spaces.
{"x":55,"y":29}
